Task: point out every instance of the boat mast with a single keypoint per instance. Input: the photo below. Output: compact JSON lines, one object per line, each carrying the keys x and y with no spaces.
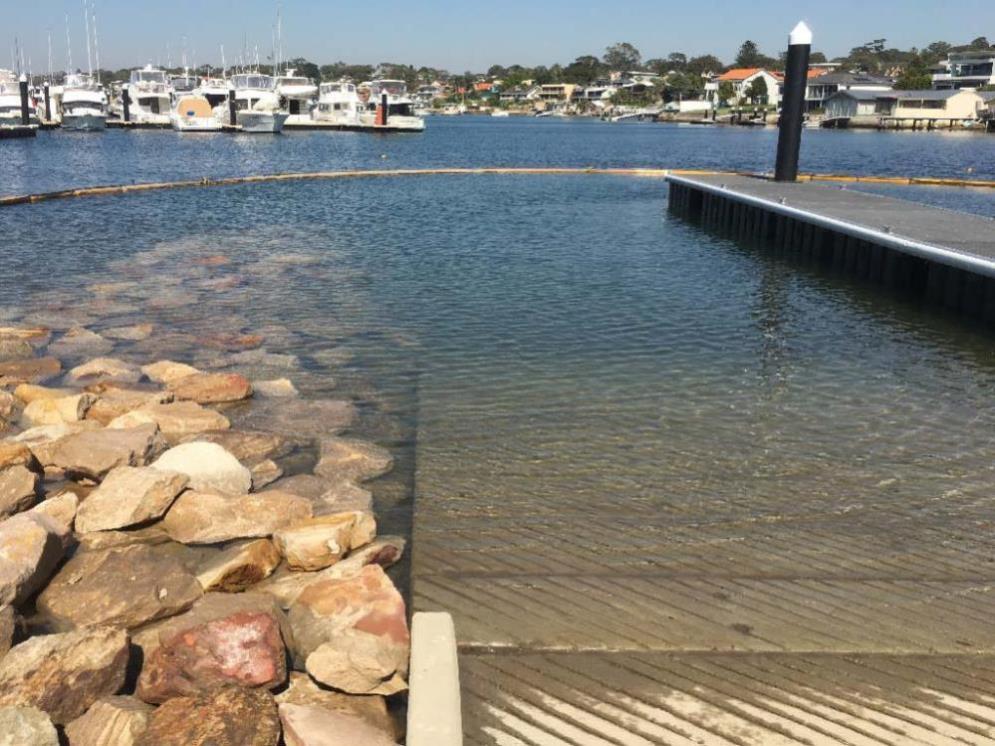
{"x":96,"y":40}
{"x":86,"y":22}
{"x":69,"y":49}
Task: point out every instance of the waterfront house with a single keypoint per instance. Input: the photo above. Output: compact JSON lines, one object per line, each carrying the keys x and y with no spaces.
{"x":926,"y":108}
{"x":558,"y":92}
{"x":821,"y":87}
{"x":741,"y":79}
{"x":965,"y":70}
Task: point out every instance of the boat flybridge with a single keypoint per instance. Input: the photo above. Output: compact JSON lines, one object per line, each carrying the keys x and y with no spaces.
{"x":150,"y":91}
{"x":83,"y":104}
{"x":296,"y":95}
{"x":338,"y":103}
{"x":399,"y":113}
{"x":257,"y":106}
{"x":215,"y":90}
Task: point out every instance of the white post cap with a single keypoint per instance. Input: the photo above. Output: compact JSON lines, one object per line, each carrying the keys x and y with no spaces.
{"x":24,"y":78}
{"x":800,"y":34}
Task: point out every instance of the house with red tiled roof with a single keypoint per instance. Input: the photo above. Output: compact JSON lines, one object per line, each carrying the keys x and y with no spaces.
{"x":741,"y":79}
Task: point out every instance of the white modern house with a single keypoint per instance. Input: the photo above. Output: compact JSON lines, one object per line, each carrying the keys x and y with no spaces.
{"x":821,"y":87}
{"x":965,"y":70}
{"x":741,"y":79}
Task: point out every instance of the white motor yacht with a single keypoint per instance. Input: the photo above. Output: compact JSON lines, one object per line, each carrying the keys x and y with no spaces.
{"x":10,"y":100}
{"x":297,"y":95}
{"x":193,"y":113}
{"x":397,"y":115}
{"x":83,"y":104}
{"x":338,"y":103}
{"x":257,"y":107}
{"x":215,"y":90}
{"x":150,"y":94}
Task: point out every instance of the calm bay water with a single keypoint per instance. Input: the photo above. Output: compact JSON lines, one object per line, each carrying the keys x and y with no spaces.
{"x":551,"y":347}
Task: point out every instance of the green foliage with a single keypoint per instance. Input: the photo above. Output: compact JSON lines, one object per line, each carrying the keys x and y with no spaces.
{"x":682,"y":85}
{"x":915,"y":77}
{"x":726,"y":92}
{"x":704,"y":65}
{"x":305,"y":67}
{"x":817,"y":57}
{"x":583,"y":70}
{"x":623,"y":56}
{"x":337,"y":70}
{"x":757,"y":91}
{"x":750,"y":56}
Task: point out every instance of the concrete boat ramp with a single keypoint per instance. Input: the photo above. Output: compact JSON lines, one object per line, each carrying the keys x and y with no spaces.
{"x":829,"y":623}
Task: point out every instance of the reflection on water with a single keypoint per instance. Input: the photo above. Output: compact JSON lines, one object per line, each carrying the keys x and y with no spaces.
{"x":549,"y":353}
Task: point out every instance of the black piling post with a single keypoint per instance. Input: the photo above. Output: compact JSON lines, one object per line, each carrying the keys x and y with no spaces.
{"x":232,"y":115}
{"x":386,"y":110}
{"x":126,"y":103}
{"x":789,"y":140}
{"x":25,"y":120}
{"x":48,"y":102}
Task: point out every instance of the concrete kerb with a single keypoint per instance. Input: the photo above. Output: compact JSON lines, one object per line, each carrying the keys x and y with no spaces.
{"x":434,"y":709}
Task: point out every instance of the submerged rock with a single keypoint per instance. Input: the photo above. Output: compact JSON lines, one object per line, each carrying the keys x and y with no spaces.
{"x":275,"y":389}
{"x":167,"y":371}
{"x":211,"y":388}
{"x":175,"y":420}
{"x":79,"y":342}
{"x":91,"y":455}
{"x":129,"y":496}
{"x":232,"y":716}
{"x":26,"y":726}
{"x":64,"y":674}
{"x":240,"y":566}
{"x":30,"y":550}
{"x":298,"y":418}
{"x":31,"y":370}
{"x":208,"y":518}
{"x":104,"y":369}
{"x":132,"y":333}
{"x":243,"y":649}
{"x":346,"y":459}
{"x":15,"y":349}
{"x":306,"y":725}
{"x":124,"y":587}
{"x":352,"y":633}
{"x":210,"y":467}
{"x":19,"y":489}
{"x":111,"y":721}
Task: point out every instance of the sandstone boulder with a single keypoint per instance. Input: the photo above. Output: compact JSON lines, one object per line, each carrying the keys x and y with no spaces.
{"x":128,"y":496}
{"x":30,"y":549}
{"x":152,"y":535}
{"x":64,"y":674}
{"x":10,"y":406}
{"x":42,"y":440}
{"x":111,"y":721}
{"x":104,"y":369}
{"x":19,"y":488}
{"x":303,"y":690}
{"x":13,"y":453}
{"x":232,"y":716}
{"x":305,"y":725}
{"x":8,"y":625}
{"x":51,"y":411}
{"x":60,"y":510}
{"x":29,"y":392}
{"x":286,"y":585}
{"x":211,"y":388}
{"x":242,"y":649}
{"x":115,"y":402}
{"x":29,"y":370}
{"x":265,"y":473}
{"x":26,"y":726}
{"x":239,"y":566}
{"x":15,"y":349}
{"x":248,"y":446}
{"x":345,"y":459}
{"x":124,"y":587}
{"x":175,"y":420}
{"x":208,"y":518}
{"x":167,"y":371}
{"x":321,"y":542}
{"x":352,"y":633}
{"x":210,"y":468}
{"x":34,"y":333}
{"x":91,"y":455}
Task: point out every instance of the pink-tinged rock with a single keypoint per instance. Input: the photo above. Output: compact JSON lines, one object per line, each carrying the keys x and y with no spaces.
{"x":210,"y":468}
{"x":125,"y":587}
{"x":244,"y":649}
{"x":305,"y":725}
{"x":30,"y":549}
{"x":352,"y":633}
{"x":206,"y":518}
{"x":176,"y":420}
{"x":19,"y":488}
{"x":104,"y":369}
{"x":286,"y":585}
{"x":111,"y":721}
{"x":64,"y":674}
{"x":321,"y":542}
{"x":346,"y":459}
{"x":211,"y":388}
{"x":232,"y":716}
{"x":372,"y":708}
{"x":91,"y":455}
{"x":29,"y":370}
{"x":239,"y":567}
{"x":128,"y":496}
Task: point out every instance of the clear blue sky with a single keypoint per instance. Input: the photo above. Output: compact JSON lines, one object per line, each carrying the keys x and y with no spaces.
{"x":459,"y":36}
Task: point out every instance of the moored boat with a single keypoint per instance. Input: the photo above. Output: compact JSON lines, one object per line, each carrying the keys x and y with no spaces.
{"x":257,"y":106}
{"x":192,"y":113}
{"x":83,"y":105}
{"x":296,"y":94}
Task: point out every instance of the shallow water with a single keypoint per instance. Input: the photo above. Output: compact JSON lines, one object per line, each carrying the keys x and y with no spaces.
{"x":556,"y":348}
{"x":58,"y":160}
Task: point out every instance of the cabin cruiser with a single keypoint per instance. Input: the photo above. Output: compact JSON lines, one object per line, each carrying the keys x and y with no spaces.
{"x":83,"y":104}
{"x":257,"y":107}
{"x":10,"y":100}
{"x":399,"y":112}
{"x":338,"y":103}
{"x":181,"y":85}
{"x":296,"y":95}
{"x":150,"y":93}
{"x":193,"y":113}
{"x":215,"y":90}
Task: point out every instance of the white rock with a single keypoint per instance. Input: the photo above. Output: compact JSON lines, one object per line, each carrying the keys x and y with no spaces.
{"x":210,"y":467}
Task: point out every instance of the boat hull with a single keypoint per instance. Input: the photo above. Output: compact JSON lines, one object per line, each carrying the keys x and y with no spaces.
{"x":261,"y":122}
{"x":84,"y":122}
{"x":196,"y":124}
